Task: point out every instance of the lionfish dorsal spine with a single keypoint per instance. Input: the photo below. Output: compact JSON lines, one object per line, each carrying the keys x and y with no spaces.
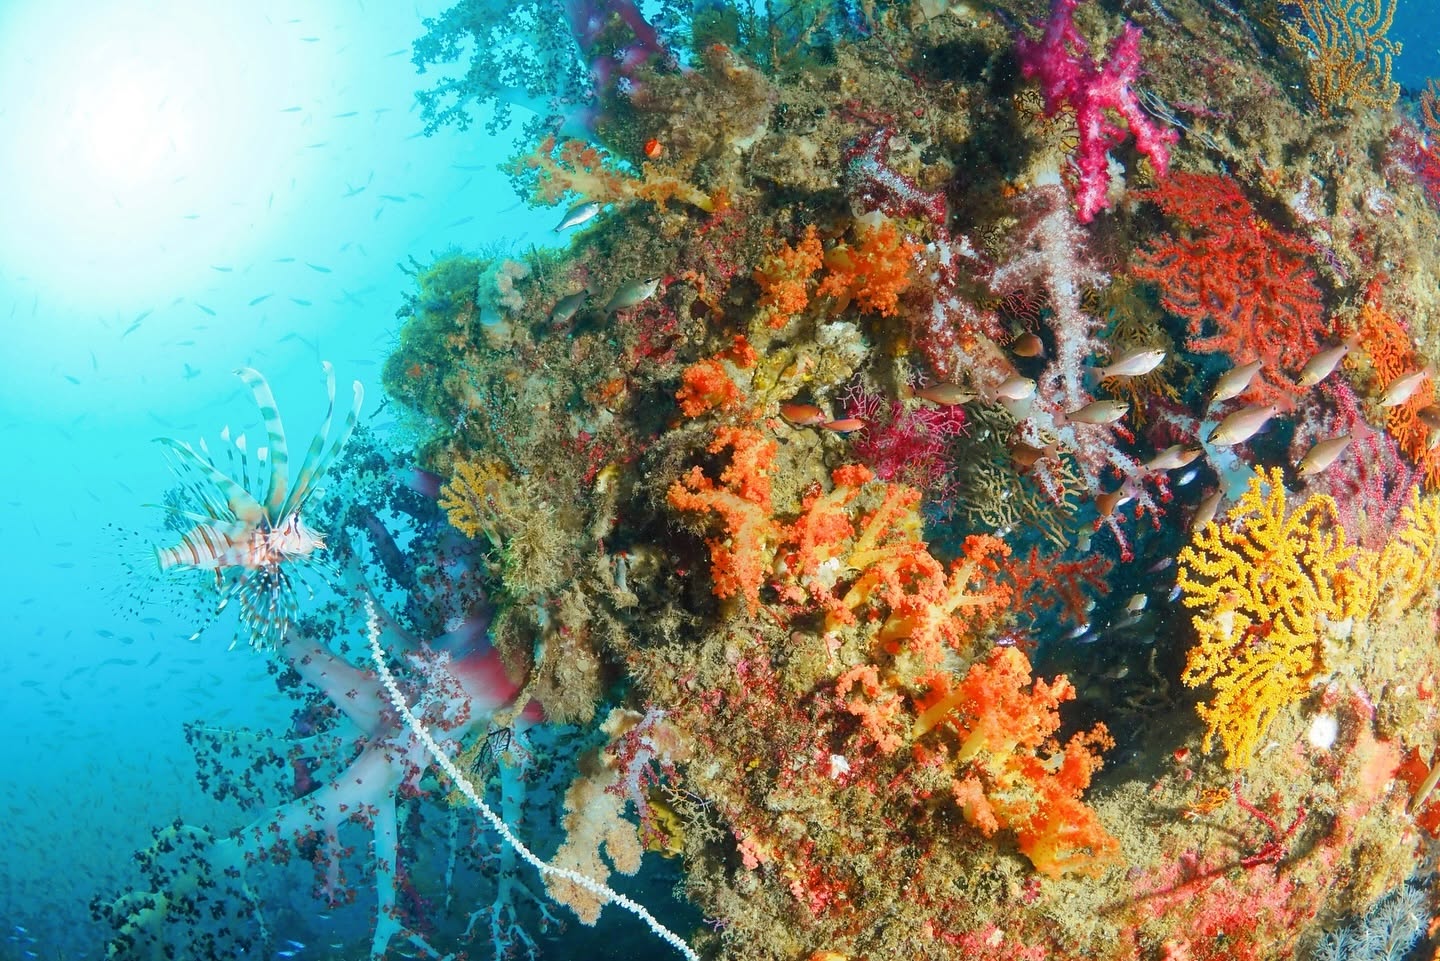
{"x":316,"y":464}
{"x":277,"y":489}
{"x":237,"y":499}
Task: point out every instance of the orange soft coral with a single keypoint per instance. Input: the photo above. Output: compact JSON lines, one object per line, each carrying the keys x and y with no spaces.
{"x":784,"y":279}
{"x":1000,"y":729}
{"x":705,"y":386}
{"x":741,"y":556}
{"x":873,"y":273}
{"x":944,"y":611}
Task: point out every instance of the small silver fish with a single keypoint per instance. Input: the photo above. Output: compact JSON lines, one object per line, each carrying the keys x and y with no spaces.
{"x":1176,"y":455}
{"x":1135,"y":362}
{"x":1015,"y":387}
{"x":1322,"y":455}
{"x":1137,"y":603}
{"x":1320,"y":366}
{"x":566,"y":307}
{"x":578,"y":214}
{"x":635,"y":292}
{"x":1099,"y":412}
{"x":1206,"y":512}
{"x":1402,"y":388}
{"x":1233,"y":382}
{"x":1242,"y":425}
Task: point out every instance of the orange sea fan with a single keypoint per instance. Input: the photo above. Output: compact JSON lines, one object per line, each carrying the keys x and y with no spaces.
{"x":1392,"y":355}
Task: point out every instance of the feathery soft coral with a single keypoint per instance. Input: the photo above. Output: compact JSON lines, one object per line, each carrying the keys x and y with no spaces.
{"x":740,"y":557}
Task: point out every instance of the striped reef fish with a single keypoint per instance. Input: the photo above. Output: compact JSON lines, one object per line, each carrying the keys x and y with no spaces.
{"x":254,"y":538}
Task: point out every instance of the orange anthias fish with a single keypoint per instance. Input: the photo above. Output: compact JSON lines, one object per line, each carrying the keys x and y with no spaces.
{"x":252,"y":542}
{"x":803,"y":415}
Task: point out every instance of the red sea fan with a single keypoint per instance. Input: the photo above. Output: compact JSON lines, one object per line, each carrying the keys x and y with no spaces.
{"x":1230,"y":272}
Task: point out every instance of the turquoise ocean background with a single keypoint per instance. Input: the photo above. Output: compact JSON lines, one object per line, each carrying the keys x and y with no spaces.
{"x":189,"y":187}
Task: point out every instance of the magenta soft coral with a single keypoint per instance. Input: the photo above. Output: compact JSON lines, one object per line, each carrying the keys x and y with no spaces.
{"x":906,"y":444}
{"x":1069,"y":76}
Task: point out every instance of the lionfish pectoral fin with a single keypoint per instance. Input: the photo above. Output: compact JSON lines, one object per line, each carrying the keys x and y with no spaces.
{"x":317,"y":465}
{"x":245,"y":507}
{"x":277,"y":488}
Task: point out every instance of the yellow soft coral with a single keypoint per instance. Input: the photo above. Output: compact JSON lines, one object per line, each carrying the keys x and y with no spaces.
{"x":1267,"y":584}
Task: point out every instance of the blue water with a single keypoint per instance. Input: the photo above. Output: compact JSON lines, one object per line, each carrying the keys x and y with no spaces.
{"x":184,"y":193}
{"x":128,"y":294}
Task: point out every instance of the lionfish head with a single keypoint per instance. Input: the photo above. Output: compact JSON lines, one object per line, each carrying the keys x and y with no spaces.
{"x":293,"y":538}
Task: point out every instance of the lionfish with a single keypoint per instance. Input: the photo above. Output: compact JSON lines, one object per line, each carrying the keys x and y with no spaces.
{"x":253,"y":540}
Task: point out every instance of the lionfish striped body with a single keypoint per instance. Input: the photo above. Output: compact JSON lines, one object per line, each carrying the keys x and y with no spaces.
{"x":253,"y":541}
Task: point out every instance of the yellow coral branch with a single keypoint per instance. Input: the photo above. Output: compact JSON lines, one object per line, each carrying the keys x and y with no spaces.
{"x":1268,"y":584}
{"x":1346,"y":53}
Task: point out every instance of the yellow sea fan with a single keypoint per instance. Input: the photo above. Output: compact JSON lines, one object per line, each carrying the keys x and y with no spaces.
{"x":475,"y":498}
{"x":1267,"y":583}
{"x":1411,"y":559}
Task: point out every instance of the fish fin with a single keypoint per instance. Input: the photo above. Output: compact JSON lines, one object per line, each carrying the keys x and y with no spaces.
{"x":240,"y":503}
{"x":316,"y":465}
{"x":277,"y":489}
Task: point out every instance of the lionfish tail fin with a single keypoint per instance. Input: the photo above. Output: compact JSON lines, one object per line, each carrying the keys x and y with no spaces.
{"x":277,"y":488}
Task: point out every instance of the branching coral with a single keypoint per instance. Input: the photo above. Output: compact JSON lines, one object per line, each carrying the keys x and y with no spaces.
{"x":554,"y":171}
{"x":1344,"y":48}
{"x":1270,"y":584}
{"x":564,"y":61}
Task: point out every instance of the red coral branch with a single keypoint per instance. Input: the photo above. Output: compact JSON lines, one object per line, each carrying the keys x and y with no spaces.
{"x":1229,"y":268}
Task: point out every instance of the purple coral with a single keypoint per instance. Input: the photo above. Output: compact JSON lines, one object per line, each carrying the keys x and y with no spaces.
{"x":563,"y":60}
{"x":1069,"y":76}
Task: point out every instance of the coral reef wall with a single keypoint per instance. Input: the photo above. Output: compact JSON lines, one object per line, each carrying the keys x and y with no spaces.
{"x":969,"y":472}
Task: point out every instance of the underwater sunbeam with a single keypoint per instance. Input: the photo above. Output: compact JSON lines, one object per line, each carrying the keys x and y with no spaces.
{"x":146,"y":151}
